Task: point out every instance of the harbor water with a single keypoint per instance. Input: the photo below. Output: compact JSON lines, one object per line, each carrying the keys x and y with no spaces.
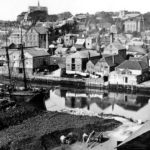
{"x":135,"y":106}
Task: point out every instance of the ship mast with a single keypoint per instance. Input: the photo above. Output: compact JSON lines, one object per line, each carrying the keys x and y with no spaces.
{"x":7,"y":56}
{"x":23,"y":63}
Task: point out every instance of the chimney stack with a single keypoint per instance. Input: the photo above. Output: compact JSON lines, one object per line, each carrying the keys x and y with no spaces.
{"x":89,"y":55}
{"x":111,"y":38}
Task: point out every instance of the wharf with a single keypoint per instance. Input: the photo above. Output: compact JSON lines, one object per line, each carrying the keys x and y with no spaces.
{"x":85,"y":83}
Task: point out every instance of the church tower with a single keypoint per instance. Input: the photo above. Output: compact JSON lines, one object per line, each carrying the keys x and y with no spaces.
{"x":38,"y":4}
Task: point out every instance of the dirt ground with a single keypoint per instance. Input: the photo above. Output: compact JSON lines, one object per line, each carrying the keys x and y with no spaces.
{"x":43,"y":131}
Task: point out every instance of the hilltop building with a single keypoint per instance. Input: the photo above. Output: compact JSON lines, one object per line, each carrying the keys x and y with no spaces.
{"x":37,"y":8}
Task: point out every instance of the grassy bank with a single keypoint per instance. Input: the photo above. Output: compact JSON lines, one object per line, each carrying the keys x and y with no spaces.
{"x":34,"y":132}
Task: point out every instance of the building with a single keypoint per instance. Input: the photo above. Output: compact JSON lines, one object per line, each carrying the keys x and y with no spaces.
{"x":80,"y":43}
{"x":37,"y":8}
{"x":90,"y":42}
{"x":69,"y":40}
{"x":130,"y":72}
{"x":3,"y":61}
{"x":103,"y":25}
{"x":37,"y":37}
{"x":61,"y":51}
{"x":135,"y":42}
{"x":90,"y":66}
{"x":81,"y":26}
{"x":147,"y":56}
{"x":122,"y":14}
{"x":104,"y":66}
{"x":107,"y":64}
{"x":115,"y":48}
{"x":134,"y":24}
{"x":136,"y":51}
{"x":16,"y":36}
{"x":35,"y":59}
{"x":57,"y":61}
{"x":77,"y":62}
{"x":81,"y":18}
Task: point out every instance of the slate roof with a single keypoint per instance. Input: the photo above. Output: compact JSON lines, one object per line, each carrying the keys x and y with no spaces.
{"x":137,"y":49}
{"x":10,"y":51}
{"x":118,"y":59}
{"x":80,"y":41}
{"x":113,"y":60}
{"x":77,"y":46}
{"x":37,"y":53}
{"x":84,"y":54}
{"x":94,"y":61}
{"x":61,"y":49}
{"x":108,"y":60}
{"x":133,"y":65}
{"x":40,"y":30}
{"x":118,"y":45}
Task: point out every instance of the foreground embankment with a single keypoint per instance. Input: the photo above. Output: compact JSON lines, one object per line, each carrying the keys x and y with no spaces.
{"x":30,"y":134}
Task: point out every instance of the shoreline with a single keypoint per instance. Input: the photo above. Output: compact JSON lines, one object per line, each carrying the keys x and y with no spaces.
{"x":39,"y":129}
{"x":127,"y":127}
{"x":81,"y":83}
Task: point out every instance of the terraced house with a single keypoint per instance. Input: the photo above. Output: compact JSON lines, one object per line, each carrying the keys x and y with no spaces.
{"x":104,"y":65}
{"x":37,"y":37}
{"x":76,"y":62}
{"x":35,"y":59}
{"x":130,"y":72}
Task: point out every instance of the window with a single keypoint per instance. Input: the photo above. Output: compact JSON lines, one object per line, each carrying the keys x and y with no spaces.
{"x":73,"y":60}
{"x":126,"y":79}
{"x":20,"y":70}
{"x":126,"y":98}
{"x":73,"y":67}
{"x":1,"y":63}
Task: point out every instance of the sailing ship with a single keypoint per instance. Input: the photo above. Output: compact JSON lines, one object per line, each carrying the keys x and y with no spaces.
{"x":11,"y":90}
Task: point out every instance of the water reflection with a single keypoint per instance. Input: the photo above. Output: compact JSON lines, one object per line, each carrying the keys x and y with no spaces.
{"x":129,"y":105}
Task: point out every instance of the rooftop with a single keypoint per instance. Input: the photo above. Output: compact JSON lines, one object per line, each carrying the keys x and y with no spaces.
{"x":133,"y":64}
{"x":37,"y":53}
{"x":138,"y":49}
{"x":85,"y":54}
{"x":108,"y":60}
{"x":40,"y":30}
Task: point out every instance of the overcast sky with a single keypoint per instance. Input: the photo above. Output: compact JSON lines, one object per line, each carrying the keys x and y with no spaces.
{"x":9,"y":9}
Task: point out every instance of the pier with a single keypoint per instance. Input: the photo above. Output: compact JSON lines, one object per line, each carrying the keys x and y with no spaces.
{"x":81,"y":83}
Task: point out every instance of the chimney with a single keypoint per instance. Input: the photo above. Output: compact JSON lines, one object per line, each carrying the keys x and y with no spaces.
{"x":89,"y":55}
{"x":47,"y":43}
{"x":113,"y":59}
{"x":111,"y":38}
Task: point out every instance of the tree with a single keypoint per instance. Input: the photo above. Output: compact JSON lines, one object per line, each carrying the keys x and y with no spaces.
{"x":52,"y":18}
{"x":38,"y":15}
{"x":64,"y":15}
{"x":21,"y":16}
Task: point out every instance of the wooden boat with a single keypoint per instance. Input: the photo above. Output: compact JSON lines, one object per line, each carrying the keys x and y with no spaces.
{"x":26,"y":91}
